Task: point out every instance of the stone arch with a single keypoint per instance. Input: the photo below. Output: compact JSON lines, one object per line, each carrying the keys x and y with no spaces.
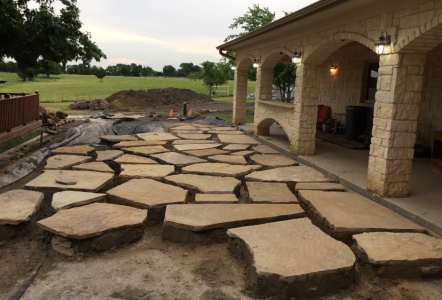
{"x":279,"y":54}
{"x":244,"y":64}
{"x":264,"y":122}
{"x":422,"y":39}
{"x":320,"y":51}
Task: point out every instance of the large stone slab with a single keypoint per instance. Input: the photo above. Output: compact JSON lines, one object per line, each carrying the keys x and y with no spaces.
{"x":157,"y":171}
{"x":118,"y":138}
{"x":177,"y":159}
{"x":229,"y":159}
{"x":345,"y":214}
{"x":394,"y":254}
{"x":220,"y":128}
{"x":186,"y":128}
{"x":236,"y":147}
{"x":216,"y":198}
{"x":195,"y":147}
{"x":237,"y":139}
{"x":264,"y":149}
{"x":226,"y":132}
{"x":186,"y":142}
{"x":147,"y":193}
{"x":146,"y":150}
{"x":108,"y":155}
{"x":157,"y":136}
{"x":245,"y":153}
{"x":74,"y":150}
{"x":94,"y":166}
{"x":273,"y":160}
{"x":288,"y":174}
{"x":64,"y":162}
{"x":69,"y":199}
{"x":134,"y":159}
{"x":206,"y":184}
{"x":17,"y":206}
{"x":320,"y":186}
{"x":270,"y":192}
{"x":86,"y":180}
{"x":129,"y":144}
{"x":200,"y":217}
{"x":220,"y":169}
{"x":191,"y":136}
{"x":293,"y":259}
{"x":206,"y":152}
{"x":93,"y":220}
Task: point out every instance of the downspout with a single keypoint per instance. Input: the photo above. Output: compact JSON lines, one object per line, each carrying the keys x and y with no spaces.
{"x":226,"y":55}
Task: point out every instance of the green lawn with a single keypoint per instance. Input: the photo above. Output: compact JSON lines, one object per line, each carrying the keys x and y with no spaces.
{"x":68,"y":88}
{"x":227,"y":116}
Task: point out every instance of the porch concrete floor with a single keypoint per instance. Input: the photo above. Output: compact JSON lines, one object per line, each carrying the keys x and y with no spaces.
{"x":423,"y":205}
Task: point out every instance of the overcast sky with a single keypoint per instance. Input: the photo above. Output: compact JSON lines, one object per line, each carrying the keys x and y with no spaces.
{"x":159,"y":33}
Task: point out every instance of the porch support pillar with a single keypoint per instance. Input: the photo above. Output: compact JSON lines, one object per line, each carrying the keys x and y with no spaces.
{"x":264,"y":82}
{"x":305,"y":110}
{"x":396,"y":113}
{"x":240,"y":97}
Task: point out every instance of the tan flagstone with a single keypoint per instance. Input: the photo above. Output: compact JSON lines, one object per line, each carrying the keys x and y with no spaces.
{"x":74,"y":150}
{"x":131,"y":171}
{"x":195,"y":147}
{"x":264,"y":149}
{"x":273,"y":160}
{"x":128,"y":144}
{"x":237,"y":139}
{"x":69,"y":199}
{"x":94,"y":166}
{"x":220,"y":169}
{"x":230,"y":159}
{"x":177,"y":159}
{"x":157,"y":136}
{"x":108,"y":155}
{"x":17,"y":206}
{"x":205,"y":183}
{"x":216,"y":198}
{"x":196,"y":136}
{"x":134,"y":159}
{"x":186,"y":142}
{"x":288,"y":174}
{"x":146,"y":150}
{"x":63,"y":162}
{"x":118,"y":138}
{"x":270,"y":192}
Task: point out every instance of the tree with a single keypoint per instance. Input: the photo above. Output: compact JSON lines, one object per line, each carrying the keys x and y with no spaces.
{"x":124,"y":70}
{"x":48,"y":67}
{"x":169,"y":71}
{"x":147,"y":71}
{"x":100,"y":73}
{"x":284,"y":76}
{"x":212,"y":75}
{"x":29,"y":34}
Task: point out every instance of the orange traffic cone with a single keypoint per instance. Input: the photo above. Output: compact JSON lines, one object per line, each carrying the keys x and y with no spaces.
{"x":171,"y":112}
{"x":190,"y":112}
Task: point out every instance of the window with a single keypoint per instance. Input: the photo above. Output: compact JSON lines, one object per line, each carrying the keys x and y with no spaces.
{"x":372,"y":80}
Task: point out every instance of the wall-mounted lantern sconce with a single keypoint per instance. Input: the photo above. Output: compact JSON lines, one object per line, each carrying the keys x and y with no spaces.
{"x":233,"y":67}
{"x":383,"y":42}
{"x":296,"y":58}
{"x":333,"y":69}
{"x":255,"y":63}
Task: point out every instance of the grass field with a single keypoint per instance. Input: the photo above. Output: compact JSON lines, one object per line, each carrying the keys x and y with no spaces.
{"x":68,"y":88}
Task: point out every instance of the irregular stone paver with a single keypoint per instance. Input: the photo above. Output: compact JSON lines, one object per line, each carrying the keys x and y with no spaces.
{"x":118,"y":138}
{"x":146,"y":150}
{"x":223,"y":128}
{"x":93,"y":220}
{"x":68,"y":199}
{"x":288,"y":174}
{"x":63,"y":162}
{"x":86,"y":180}
{"x":226,"y":132}
{"x":74,"y":150}
{"x":190,"y":136}
{"x":206,"y":184}
{"x":270,"y":192}
{"x":345,"y":214}
{"x":189,"y":132}
{"x":195,"y":147}
{"x":186,"y":127}
{"x":237,"y":139}
{"x":108,"y":155}
{"x":216,"y":198}
{"x":320,"y":186}
{"x":66,"y":181}
{"x":157,"y":136}
{"x":243,"y":153}
{"x":199,"y":217}
{"x":236,"y":147}
{"x":186,"y":142}
{"x":220,"y":169}
{"x":264,"y":149}
{"x":401,"y":254}
{"x":129,"y":144}
{"x":134,"y":159}
{"x":147,"y":193}
{"x":273,"y":160}
{"x":206,"y":152}
{"x":94,"y":166}
{"x":146,"y":171}
{"x":293,"y":258}
{"x":17,"y":206}
{"x":235,"y":159}
{"x":177,"y":159}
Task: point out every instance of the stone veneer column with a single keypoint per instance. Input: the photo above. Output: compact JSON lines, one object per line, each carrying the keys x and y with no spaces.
{"x":305,"y":110}
{"x":264,"y":82}
{"x":240,"y":97}
{"x":396,"y":113}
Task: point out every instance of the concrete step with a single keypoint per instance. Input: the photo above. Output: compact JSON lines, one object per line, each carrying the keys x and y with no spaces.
{"x":186,"y":223}
{"x":292,"y":259}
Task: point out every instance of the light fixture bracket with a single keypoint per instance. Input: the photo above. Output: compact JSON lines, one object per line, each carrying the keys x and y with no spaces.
{"x":296,"y":57}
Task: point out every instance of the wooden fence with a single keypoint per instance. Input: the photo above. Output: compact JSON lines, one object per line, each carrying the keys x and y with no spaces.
{"x":18,"y":109}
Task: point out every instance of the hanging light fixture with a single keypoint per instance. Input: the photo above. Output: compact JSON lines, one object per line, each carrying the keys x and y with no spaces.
{"x":296,"y":57}
{"x":255,"y":63}
{"x":383,"y":42}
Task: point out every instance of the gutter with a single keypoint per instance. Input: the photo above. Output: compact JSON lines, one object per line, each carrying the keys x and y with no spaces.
{"x":226,"y":55}
{"x":300,"y":14}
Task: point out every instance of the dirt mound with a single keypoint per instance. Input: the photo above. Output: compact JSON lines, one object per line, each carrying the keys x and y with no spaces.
{"x":155,"y":97}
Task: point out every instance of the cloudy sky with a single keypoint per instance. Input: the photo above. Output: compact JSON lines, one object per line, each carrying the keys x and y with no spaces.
{"x":158,"y":33}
